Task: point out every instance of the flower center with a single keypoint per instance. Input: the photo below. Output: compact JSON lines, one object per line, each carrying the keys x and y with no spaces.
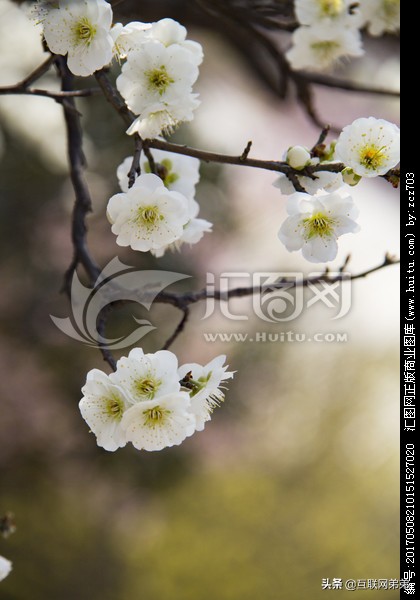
{"x":391,"y":8}
{"x":84,"y":31}
{"x":148,"y":216}
{"x":331,"y":8}
{"x":372,"y":157}
{"x":156,"y":416}
{"x":325,"y":48}
{"x":115,"y":407}
{"x":195,"y":385}
{"x":159,"y":79}
{"x":147,"y":387}
{"x":319,"y":225}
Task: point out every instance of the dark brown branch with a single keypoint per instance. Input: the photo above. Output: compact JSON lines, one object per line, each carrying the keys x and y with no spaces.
{"x":117,"y":101}
{"x":37,"y":73}
{"x":58,"y":96}
{"x":350,"y":86}
{"x":184,"y":300}
{"x":114,"y":97}
{"x":135,"y":168}
{"x":23,"y":86}
{"x":179,"y":328}
{"x":83,"y":204}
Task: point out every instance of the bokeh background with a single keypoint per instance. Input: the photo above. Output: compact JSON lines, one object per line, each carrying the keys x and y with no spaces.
{"x":295,"y":479}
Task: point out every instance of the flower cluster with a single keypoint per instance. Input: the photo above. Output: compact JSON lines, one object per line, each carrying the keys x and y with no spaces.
{"x":368,"y":147}
{"x":157,"y":78}
{"x":5,"y":567}
{"x":160,"y":68}
{"x":150,"y":402}
{"x":158,"y":212}
{"x":330,"y":29}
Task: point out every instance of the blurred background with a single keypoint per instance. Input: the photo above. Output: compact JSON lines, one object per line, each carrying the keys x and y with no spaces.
{"x":296,"y":478}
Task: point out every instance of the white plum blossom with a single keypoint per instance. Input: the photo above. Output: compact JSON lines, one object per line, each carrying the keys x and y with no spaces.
{"x":179,"y":173}
{"x":5,"y":567}
{"x":147,"y":376}
{"x":320,"y":46}
{"x":204,"y":383}
{"x":145,"y":402}
{"x":166,"y":31}
{"x":159,"y":423}
{"x":315,"y":223}
{"x":82,"y":31}
{"x":323,"y":180}
{"x":156,"y":74}
{"x":340,"y":13}
{"x":192,"y":233}
{"x":102,"y":407}
{"x":298,"y":157}
{"x":382,"y":16}
{"x":164,"y":117}
{"x":369,"y":146}
{"x":169,"y":32}
{"x":128,"y":37}
{"x":148,"y":216}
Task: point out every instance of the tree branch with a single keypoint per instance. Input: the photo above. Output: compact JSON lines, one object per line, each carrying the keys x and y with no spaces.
{"x":186,"y":299}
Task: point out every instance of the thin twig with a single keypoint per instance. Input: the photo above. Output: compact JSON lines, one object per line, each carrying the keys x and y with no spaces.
{"x":344,"y":84}
{"x":135,"y":169}
{"x":15,"y":90}
{"x":179,"y":328}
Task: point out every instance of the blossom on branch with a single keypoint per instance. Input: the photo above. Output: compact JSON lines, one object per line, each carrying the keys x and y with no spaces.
{"x":315,"y":223}
{"x":369,"y":146}
{"x":145,"y":403}
{"x":82,"y":31}
{"x":321,"y":180}
{"x":148,"y":216}
{"x":321,"y":46}
{"x":160,"y":423}
{"x":382,"y":16}
{"x":147,"y":376}
{"x":179,"y":173}
{"x":164,"y":117}
{"x":336,"y":12}
{"x":205,"y":383}
{"x":156,"y":83}
{"x":154,"y":74}
{"x":102,"y":407}
{"x":298,"y":157}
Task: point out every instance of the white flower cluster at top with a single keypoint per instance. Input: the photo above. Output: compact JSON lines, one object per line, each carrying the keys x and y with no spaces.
{"x":150,"y":401}
{"x":159,"y":69}
{"x":330,"y":29}
{"x":160,"y":66}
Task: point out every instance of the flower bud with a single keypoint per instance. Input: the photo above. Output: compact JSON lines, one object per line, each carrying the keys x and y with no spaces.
{"x":350,"y":177}
{"x":298,"y":157}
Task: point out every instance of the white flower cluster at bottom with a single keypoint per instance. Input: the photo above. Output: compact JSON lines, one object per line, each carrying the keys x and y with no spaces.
{"x":5,"y":567}
{"x":149,"y":401}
